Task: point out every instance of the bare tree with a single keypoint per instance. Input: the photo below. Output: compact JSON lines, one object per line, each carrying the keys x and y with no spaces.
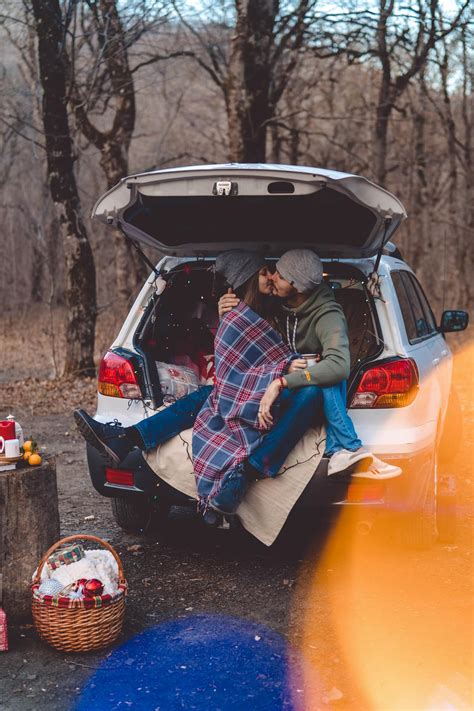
{"x":80,"y":279}
{"x":251,"y":58}
{"x":404,"y":38}
{"x":102,"y":97}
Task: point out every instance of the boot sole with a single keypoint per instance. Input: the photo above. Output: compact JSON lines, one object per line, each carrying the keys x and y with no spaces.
{"x":221,"y":511}
{"x":90,"y":436}
{"x":354,"y":467}
{"x":373,"y":476}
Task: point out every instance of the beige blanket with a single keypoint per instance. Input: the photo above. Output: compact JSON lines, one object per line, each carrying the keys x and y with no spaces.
{"x":268,"y":502}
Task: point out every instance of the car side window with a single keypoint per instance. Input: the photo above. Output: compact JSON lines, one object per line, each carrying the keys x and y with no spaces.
{"x":422,"y":326}
{"x":429,"y":316}
{"x":417,"y":315}
{"x":407,"y":313}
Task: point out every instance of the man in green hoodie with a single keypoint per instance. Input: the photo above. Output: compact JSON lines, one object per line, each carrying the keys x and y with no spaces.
{"x":312,"y":322}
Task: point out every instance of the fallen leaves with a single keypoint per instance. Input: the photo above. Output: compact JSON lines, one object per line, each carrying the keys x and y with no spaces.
{"x":49,"y":396}
{"x":135,"y":549}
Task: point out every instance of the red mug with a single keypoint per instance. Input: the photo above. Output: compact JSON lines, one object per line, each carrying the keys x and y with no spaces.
{"x":7,"y":429}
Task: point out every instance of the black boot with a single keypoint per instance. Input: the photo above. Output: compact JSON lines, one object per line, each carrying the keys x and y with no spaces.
{"x":110,"y":438}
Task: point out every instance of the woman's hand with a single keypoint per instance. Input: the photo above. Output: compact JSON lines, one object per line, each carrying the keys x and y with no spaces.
{"x":297,"y":364}
{"x":227,"y":303}
{"x":265,"y":419}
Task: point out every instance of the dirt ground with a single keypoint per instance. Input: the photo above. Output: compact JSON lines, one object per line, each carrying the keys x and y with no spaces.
{"x":370,"y":625}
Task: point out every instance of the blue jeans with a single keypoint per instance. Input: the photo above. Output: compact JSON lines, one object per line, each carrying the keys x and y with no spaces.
{"x":299,"y":409}
{"x":169,"y":422}
{"x":298,"y":412}
{"x":340,"y":432}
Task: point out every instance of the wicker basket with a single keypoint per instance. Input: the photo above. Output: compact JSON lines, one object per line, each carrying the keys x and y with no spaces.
{"x":79,"y":625}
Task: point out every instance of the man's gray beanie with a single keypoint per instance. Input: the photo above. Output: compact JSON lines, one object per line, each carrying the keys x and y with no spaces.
{"x":238,"y":265}
{"x":302,"y":268}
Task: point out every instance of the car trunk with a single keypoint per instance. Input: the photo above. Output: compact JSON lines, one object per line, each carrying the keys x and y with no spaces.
{"x":204,"y":210}
{"x":176,"y":334}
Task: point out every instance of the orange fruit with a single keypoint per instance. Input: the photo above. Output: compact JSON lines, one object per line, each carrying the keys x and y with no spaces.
{"x":34,"y":460}
{"x":26,"y":455}
{"x":28,"y":446}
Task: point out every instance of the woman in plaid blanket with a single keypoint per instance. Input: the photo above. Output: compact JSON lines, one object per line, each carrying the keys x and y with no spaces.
{"x":249,"y":355}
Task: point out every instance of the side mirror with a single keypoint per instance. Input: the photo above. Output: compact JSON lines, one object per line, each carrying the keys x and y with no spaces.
{"x":453,"y":321}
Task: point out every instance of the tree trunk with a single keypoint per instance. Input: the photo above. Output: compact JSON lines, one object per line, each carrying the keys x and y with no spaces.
{"x":80,"y":271}
{"x":234,"y":88}
{"x":261,"y":16}
{"x":454,"y":255}
{"x":383,"y":112}
{"x":468,"y":186}
{"x":115,"y":142}
{"x":421,"y":245}
{"x":29,"y":525}
{"x":248,"y":83}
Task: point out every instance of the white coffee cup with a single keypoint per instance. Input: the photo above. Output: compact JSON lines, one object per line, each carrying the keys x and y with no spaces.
{"x":310,"y":358}
{"x":11,"y":448}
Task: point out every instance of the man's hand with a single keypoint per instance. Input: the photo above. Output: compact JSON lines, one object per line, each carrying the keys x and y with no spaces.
{"x":265,"y":419}
{"x":227,"y":303}
{"x":297,"y":364}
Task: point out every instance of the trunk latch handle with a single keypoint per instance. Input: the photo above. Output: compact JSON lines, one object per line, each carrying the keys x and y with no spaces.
{"x":225,"y":188}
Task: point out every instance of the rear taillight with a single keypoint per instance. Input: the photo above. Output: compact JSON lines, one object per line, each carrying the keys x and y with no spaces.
{"x":117,"y":377}
{"x":390,"y":384}
{"x":122,"y":477}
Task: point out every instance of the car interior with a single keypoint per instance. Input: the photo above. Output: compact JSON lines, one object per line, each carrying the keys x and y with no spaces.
{"x":181,"y":329}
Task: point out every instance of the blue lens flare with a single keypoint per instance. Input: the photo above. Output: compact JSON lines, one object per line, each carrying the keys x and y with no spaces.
{"x":197,"y":662}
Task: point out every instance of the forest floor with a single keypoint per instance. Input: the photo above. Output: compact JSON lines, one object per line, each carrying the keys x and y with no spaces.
{"x":325,"y":618}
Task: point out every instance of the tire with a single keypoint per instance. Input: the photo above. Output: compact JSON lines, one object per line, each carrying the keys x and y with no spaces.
{"x":140,"y":514}
{"x":446,"y":509}
{"x":419,"y":526}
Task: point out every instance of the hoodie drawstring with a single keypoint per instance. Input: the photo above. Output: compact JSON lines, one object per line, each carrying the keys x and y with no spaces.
{"x":291,"y":342}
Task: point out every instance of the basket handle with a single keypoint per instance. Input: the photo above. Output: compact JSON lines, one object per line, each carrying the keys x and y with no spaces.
{"x":83,"y":537}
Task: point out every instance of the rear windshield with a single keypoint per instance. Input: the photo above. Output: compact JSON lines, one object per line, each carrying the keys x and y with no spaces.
{"x":174,"y":221}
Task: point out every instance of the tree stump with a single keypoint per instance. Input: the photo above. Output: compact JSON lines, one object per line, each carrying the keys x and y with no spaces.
{"x":29,"y":525}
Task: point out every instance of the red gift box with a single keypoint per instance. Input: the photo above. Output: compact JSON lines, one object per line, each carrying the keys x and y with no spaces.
{"x":7,"y":429}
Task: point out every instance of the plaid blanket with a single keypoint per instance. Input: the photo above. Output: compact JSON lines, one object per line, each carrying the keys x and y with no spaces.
{"x":249,"y":355}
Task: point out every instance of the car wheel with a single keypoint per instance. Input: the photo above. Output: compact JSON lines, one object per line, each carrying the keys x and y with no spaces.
{"x":446,"y":509}
{"x":140,"y":514}
{"x":419,"y":526}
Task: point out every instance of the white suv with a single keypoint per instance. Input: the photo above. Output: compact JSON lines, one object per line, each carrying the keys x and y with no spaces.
{"x":400,"y":381}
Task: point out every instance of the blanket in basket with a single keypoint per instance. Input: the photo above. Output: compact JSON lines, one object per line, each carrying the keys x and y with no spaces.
{"x":249,"y":355}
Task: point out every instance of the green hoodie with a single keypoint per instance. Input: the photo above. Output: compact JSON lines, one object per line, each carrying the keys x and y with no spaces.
{"x":318,"y":325}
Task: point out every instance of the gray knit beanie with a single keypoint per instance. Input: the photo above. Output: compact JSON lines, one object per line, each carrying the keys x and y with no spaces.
{"x":302,"y":268}
{"x":238,"y":265}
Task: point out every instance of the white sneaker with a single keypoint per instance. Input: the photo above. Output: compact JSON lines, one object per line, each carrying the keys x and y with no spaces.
{"x":345,"y":459}
{"x":379,"y":470}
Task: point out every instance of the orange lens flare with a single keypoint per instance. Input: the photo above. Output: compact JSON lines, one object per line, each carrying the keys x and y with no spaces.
{"x":385,"y":627}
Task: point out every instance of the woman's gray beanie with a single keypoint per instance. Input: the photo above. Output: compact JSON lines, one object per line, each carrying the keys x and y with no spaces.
{"x":302,"y":268}
{"x":238,"y":265}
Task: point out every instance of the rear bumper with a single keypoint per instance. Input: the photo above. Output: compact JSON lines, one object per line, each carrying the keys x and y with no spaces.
{"x":145,"y":480}
{"x":401,"y":493}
